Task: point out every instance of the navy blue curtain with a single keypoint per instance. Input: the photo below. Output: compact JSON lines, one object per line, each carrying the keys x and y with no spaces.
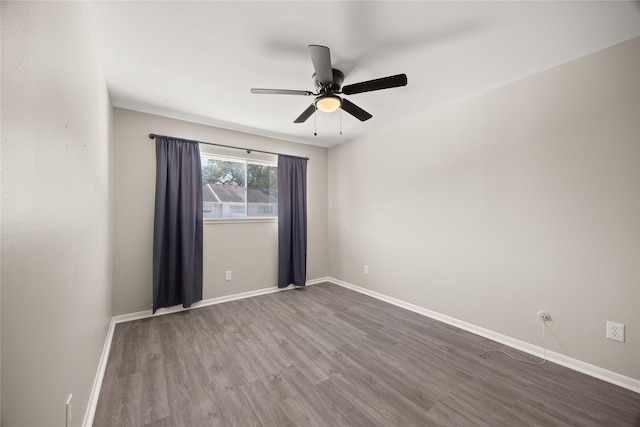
{"x":177,"y":232}
{"x":292,"y":221}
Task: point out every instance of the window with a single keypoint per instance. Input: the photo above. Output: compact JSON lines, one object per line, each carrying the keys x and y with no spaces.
{"x":238,"y":188}
{"x":265,"y":209}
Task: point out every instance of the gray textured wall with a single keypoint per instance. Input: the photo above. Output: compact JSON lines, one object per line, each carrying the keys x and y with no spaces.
{"x":248,"y":249}
{"x":520,"y":199}
{"x":56,"y":212}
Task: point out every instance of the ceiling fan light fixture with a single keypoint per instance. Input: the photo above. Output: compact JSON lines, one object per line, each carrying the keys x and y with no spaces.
{"x":328,"y":103}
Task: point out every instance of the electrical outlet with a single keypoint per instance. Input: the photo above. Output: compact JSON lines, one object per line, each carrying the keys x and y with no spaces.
{"x":615,"y":331}
{"x":68,"y":411}
{"x":227,"y":275}
{"x":366,"y":269}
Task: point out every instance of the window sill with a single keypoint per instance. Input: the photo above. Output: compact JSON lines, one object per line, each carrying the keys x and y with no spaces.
{"x":209,"y":221}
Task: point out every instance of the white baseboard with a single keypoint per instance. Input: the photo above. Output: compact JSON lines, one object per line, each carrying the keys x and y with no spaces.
{"x":566,"y":361}
{"x":206,"y":302}
{"x":102,"y":365}
{"x":97,"y":382}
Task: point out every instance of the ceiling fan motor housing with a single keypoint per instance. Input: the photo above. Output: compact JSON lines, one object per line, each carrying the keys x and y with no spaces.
{"x":338,"y":78}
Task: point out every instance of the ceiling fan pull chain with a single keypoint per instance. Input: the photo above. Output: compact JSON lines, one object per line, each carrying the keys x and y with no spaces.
{"x":341,"y":121}
{"x":315,"y":124}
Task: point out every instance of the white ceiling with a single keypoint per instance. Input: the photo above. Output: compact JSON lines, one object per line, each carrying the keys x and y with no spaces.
{"x":196,"y":61}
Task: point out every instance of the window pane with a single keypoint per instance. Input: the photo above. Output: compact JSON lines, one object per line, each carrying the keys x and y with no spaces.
{"x":262,"y":190}
{"x":235,"y":188}
{"x":222,"y":172}
{"x":223,"y":191}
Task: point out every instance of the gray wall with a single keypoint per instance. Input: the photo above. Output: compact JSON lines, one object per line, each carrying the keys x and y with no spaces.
{"x":56,"y":212}
{"x":249,"y":250}
{"x":520,"y":199}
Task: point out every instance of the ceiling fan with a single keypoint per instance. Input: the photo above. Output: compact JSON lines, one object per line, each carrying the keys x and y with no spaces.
{"x":328,"y":83}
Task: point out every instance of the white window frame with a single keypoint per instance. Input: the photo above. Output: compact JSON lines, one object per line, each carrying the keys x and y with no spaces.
{"x":245,"y":161}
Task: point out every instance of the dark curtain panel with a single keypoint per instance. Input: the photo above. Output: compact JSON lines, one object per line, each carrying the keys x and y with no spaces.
{"x":177,"y":232}
{"x":292,"y":221}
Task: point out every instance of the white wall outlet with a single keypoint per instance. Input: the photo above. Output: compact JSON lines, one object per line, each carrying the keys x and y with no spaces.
{"x":366,"y":269}
{"x":68,"y":411}
{"x":544,"y":316}
{"x":615,"y":331}
{"x":227,"y":275}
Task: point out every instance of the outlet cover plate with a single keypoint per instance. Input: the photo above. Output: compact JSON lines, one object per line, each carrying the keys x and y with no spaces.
{"x":615,"y":331}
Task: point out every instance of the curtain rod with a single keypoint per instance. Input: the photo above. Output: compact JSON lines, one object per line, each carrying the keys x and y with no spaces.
{"x":248,"y":150}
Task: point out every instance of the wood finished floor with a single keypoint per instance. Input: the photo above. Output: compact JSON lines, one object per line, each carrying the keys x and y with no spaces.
{"x":328,"y":356}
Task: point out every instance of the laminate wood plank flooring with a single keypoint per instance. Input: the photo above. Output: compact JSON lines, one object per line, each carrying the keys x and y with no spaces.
{"x":328,"y":356}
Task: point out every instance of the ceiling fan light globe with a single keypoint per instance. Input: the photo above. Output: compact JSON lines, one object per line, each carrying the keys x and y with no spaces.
{"x":328,"y":104}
